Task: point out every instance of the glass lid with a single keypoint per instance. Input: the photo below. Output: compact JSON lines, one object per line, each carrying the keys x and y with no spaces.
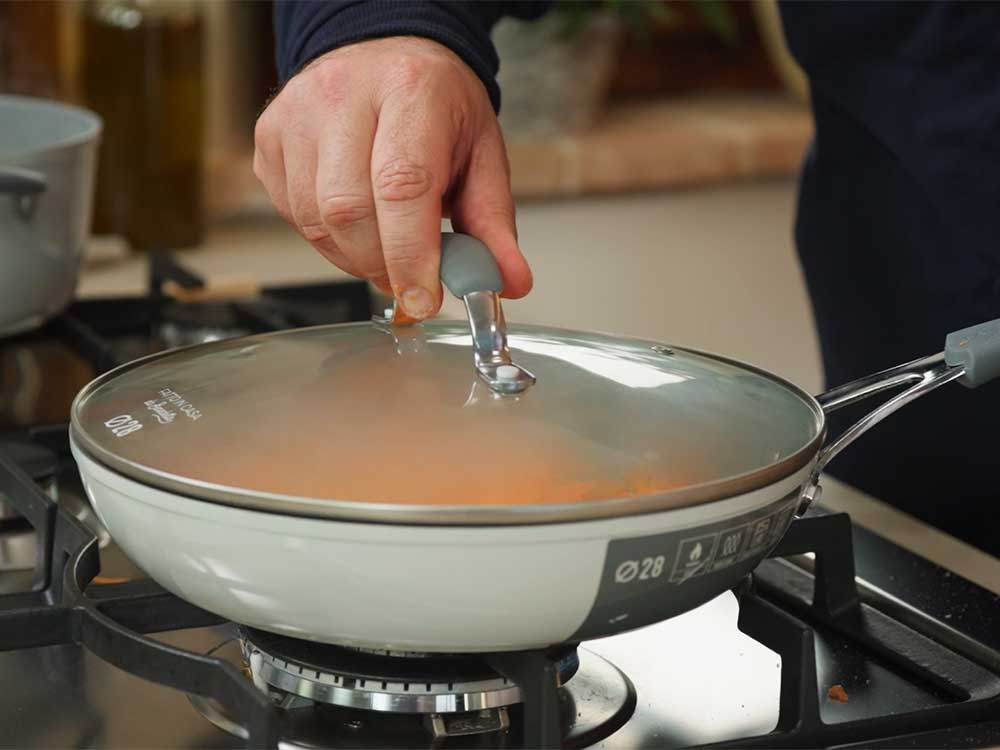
{"x":378,"y":422}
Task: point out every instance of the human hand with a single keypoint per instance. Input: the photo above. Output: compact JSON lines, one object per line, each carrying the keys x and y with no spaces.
{"x":365,"y":150}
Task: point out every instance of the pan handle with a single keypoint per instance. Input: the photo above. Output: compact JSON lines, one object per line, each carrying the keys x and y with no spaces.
{"x":470,"y":272}
{"x":971,"y":356}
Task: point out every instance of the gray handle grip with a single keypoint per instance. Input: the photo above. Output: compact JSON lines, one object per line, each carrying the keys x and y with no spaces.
{"x":977,"y":349}
{"x":18,"y":181}
{"x":467,"y":265}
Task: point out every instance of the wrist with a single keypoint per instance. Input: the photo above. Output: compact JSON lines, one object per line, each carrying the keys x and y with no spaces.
{"x":454,"y":26}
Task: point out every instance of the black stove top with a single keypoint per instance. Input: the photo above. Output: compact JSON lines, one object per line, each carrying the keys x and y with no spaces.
{"x":840,"y":639}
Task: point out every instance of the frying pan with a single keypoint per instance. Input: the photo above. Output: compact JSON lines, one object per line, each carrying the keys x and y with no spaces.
{"x":446,"y":487}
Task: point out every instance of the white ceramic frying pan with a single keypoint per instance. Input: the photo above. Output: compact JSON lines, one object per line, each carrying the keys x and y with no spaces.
{"x":418,"y":488}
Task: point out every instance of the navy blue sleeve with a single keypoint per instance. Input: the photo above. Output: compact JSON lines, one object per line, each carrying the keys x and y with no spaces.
{"x":305,"y":29}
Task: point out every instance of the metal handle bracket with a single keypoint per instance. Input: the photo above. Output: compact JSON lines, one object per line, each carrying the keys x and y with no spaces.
{"x":922,"y":375}
{"x":489,"y":345}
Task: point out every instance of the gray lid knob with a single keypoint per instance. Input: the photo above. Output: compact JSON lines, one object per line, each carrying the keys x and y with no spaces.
{"x":467,"y":265}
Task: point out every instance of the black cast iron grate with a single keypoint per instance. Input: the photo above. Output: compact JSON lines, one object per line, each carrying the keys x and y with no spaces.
{"x":114,"y":620}
{"x":91,"y":327}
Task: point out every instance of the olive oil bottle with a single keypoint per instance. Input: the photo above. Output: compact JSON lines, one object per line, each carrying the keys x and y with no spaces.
{"x":142,"y":71}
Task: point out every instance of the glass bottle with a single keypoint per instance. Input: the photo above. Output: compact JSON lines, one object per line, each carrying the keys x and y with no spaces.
{"x":142,"y":71}
{"x":34,"y":56}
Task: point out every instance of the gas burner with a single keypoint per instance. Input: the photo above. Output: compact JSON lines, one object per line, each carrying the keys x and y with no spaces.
{"x":393,"y":652}
{"x":414,"y":683}
{"x":333,"y":695}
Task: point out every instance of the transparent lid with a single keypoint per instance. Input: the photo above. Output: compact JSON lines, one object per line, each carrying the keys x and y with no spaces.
{"x":381,"y":423}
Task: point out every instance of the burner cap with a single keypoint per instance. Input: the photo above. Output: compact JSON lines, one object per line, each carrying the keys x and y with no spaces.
{"x":396,"y":682}
{"x":37,"y":461}
{"x":594,"y":704}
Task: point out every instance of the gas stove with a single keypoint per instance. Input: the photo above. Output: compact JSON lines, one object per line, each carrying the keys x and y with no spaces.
{"x":839,"y":639}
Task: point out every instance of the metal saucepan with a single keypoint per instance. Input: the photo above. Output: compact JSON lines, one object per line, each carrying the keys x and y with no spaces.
{"x":47,"y":164}
{"x":418,"y":488}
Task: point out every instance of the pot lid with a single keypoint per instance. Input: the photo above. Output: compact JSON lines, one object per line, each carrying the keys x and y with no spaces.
{"x":379,"y":422}
{"x":358,"y":420}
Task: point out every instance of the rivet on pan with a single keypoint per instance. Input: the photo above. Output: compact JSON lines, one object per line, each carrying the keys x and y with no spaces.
{"x":665,"y":350}
{"x":354,"y":724}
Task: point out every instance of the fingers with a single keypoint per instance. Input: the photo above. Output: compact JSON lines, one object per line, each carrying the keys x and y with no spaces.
{"x":484,"y":208}
{"x":269,"y":167}
{"x":343,"y":190}
{"x":299,"y":156}
{"x":359,"y":149}
{"x":284,"y":171}
{"x":411,"y":158}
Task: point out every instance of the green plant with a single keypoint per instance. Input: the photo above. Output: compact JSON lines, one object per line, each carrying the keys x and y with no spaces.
{"x":640,"y":15}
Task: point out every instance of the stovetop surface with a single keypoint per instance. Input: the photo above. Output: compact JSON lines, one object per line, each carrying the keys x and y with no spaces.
{"x":699,"y":678}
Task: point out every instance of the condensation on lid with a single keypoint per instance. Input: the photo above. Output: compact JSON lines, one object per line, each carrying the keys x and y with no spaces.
{"x":335,"y":419}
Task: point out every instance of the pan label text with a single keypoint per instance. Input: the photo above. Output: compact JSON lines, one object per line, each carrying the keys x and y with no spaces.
{"x":161,"y":414}
{"x":644,"y":569}
{"x":123,"y":425}
{"x":176,"y":400}
{"x":645,"y":579}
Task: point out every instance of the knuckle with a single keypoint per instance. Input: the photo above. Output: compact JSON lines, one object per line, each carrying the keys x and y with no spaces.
{"x":496,"y":209}
{"x":405,"y":255}
{"x":262,"y":133}
{"x":342,"y":212}
{"x":314,"y":232}
{"x":263,"y":168}
{"x":331,"y":78}
{"x":408,"y":71}
{"x":401,"y":180}
{"x":336,"y":257}
{"x":331,"y":250}
{"x":373,"y":274}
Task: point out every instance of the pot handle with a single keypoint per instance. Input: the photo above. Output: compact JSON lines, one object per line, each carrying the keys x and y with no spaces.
{"x":21,"y":182}
{"x":971,"y":356}
{"x":470,"y":272}
{"x":24,"y":186}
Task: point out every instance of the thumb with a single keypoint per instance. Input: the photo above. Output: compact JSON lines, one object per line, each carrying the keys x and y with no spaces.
{"x":483,"y":207}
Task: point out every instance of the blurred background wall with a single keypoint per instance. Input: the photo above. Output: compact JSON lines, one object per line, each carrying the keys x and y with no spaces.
{"x":654,"y":148}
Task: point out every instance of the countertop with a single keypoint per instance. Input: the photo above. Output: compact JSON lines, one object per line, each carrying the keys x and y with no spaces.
{"x":678,"y":142}
{"x":682,"y":142}
{"x":262,"y":250}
